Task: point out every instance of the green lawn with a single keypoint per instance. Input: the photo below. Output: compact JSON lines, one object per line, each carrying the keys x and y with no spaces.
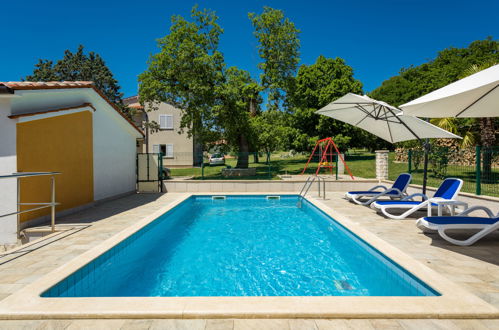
{"x":362,"y":164}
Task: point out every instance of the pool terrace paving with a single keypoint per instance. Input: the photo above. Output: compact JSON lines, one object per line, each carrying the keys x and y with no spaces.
{"x":475,"y":268}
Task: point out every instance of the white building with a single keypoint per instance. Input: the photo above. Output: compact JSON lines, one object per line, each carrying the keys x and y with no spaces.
{"x":68,"y":127}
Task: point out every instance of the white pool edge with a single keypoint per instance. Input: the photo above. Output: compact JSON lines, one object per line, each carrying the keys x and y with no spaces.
{"x":454,"y":302}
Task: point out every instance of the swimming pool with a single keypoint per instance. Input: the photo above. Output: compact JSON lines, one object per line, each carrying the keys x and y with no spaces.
{"x":241,"y":246}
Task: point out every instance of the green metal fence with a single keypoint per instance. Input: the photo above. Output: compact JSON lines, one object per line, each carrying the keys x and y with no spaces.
{"x":478,"y":168}
{"x":274,"y":166}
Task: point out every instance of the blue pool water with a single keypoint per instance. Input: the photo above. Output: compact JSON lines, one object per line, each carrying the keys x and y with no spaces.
{"x":241,"y":246}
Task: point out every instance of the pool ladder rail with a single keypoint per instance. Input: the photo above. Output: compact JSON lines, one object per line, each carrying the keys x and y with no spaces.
{"x":306,"y":187}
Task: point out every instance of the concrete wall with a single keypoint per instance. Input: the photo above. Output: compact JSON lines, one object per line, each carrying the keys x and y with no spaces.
{"x":182,"y":145}
{"x":114,"y":152}
{"x":228,"y":186}
{"x":61,"y":143}
{"x":8,"y":165}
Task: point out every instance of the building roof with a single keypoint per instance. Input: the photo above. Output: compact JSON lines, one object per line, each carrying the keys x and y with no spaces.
{"x":47,"y":84}
{"x":36,"y":85}
{"x":84,"y":105}
{"x":133,"y":102}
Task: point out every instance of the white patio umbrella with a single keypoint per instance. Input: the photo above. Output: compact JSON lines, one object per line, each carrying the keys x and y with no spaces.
{"x":474,"y":96}
{"x":383,"y":120}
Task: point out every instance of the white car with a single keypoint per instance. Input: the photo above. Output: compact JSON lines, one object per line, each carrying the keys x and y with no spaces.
{"x":217,"y":159}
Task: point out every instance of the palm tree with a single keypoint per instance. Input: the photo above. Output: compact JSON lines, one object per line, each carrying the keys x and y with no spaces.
{"x":458,"y":126}
{"x":467,"y":127}
{"x":487,"y":129}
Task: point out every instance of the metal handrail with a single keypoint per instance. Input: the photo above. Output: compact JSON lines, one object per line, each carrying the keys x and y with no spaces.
{"x":308,"y":183}
{"x":52,"y":204}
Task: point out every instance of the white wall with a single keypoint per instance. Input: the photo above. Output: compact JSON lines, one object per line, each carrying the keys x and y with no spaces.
{"x":114,"y":152}
{"x":8,"y":165}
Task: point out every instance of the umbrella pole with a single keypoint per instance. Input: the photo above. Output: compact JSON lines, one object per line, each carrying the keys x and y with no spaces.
{"x":426,"y":147}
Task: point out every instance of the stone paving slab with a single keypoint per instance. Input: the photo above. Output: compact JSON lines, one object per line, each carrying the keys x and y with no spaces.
{"x":254,"y":324}
{"x":475,"y":268}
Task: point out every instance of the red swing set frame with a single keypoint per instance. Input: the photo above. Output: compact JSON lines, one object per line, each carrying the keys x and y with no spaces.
{"x":327,"y":154}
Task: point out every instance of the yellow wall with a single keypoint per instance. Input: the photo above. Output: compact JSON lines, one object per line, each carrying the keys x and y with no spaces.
{"x":57,"y":144}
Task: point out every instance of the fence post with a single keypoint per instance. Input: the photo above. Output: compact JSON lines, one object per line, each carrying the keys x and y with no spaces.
{"x":381,"y":165}
{"x":478,"y":168}
{"x":409,"y":161}
{"x":336,"y":166}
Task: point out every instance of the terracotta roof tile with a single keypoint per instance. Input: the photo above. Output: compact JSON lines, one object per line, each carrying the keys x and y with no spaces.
{"x":46,"y":84}
{"x":30,"y":85}
{"x":135,"y":106}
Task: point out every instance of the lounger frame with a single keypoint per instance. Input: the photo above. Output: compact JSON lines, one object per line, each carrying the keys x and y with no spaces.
{"x":484,"y":229}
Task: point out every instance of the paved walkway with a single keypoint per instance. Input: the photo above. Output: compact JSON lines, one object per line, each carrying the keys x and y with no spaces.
{"x":475,"y":268}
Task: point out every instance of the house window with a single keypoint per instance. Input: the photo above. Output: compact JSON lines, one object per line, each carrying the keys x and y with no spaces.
{"x":165,"y":149}
{"x":169,"y":150}
{"x":166,"y":121}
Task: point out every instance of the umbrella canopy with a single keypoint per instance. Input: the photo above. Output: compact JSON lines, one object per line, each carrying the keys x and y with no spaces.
{"x":474,"y":96}
{"x":381,"y":119}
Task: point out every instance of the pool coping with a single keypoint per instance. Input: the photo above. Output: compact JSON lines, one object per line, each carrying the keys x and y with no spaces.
{"x":454,"y":302}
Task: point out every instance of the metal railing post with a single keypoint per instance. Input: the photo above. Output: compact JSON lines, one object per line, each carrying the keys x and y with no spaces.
{"x":18,"y":208}
{"x":324,"y":188}
{"x":52,"y":209}
{"x":478,"y":168}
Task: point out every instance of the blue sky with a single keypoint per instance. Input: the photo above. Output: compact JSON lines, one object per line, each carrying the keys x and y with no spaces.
{"x":376,"y":38}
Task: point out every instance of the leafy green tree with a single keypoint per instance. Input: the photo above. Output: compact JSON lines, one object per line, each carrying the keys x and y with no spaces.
{"x":447,"y":67}
{"x":239,"y":101}
{"x":316,"y":86}
{"x":187,"y":72}
{"x":487,"y":125}
{"x":79,"y":66}
{"x":190,"y":73}
{"x":278,"y":48}
{"x":271,"y":131}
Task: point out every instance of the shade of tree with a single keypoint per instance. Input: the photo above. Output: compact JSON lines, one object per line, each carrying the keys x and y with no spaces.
{"x":79,"y":66}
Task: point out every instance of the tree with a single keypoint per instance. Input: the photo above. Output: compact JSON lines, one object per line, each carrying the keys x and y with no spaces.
{"x":450,"y":65}
{"x":487,"y":125}
{"x":187,"y":71}
{"x":278,"y":48}
{"x":270,"y":131}
{"x":315,"y":86}
{"x":190,"y":73}
{"x":447,"y":67}
{"x":79,"y":66}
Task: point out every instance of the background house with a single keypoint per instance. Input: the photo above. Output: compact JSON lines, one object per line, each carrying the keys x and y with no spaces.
{"x":178,"y":148}
{"x":67,"y":127}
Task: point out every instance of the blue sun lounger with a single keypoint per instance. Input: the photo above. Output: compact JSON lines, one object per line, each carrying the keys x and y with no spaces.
{"x":444,"y":196}
{"x":485,"y":225}
{"x":397,"y":191}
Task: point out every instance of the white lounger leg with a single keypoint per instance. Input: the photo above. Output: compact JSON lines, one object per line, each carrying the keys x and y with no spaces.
{"x":408,"y":212}
{"x":482,"y":233}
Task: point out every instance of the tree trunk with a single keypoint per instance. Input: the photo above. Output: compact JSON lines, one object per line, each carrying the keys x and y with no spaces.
{"x":243,"y":156}
{"x":253,"y":110}
{"x":487,"y":137}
